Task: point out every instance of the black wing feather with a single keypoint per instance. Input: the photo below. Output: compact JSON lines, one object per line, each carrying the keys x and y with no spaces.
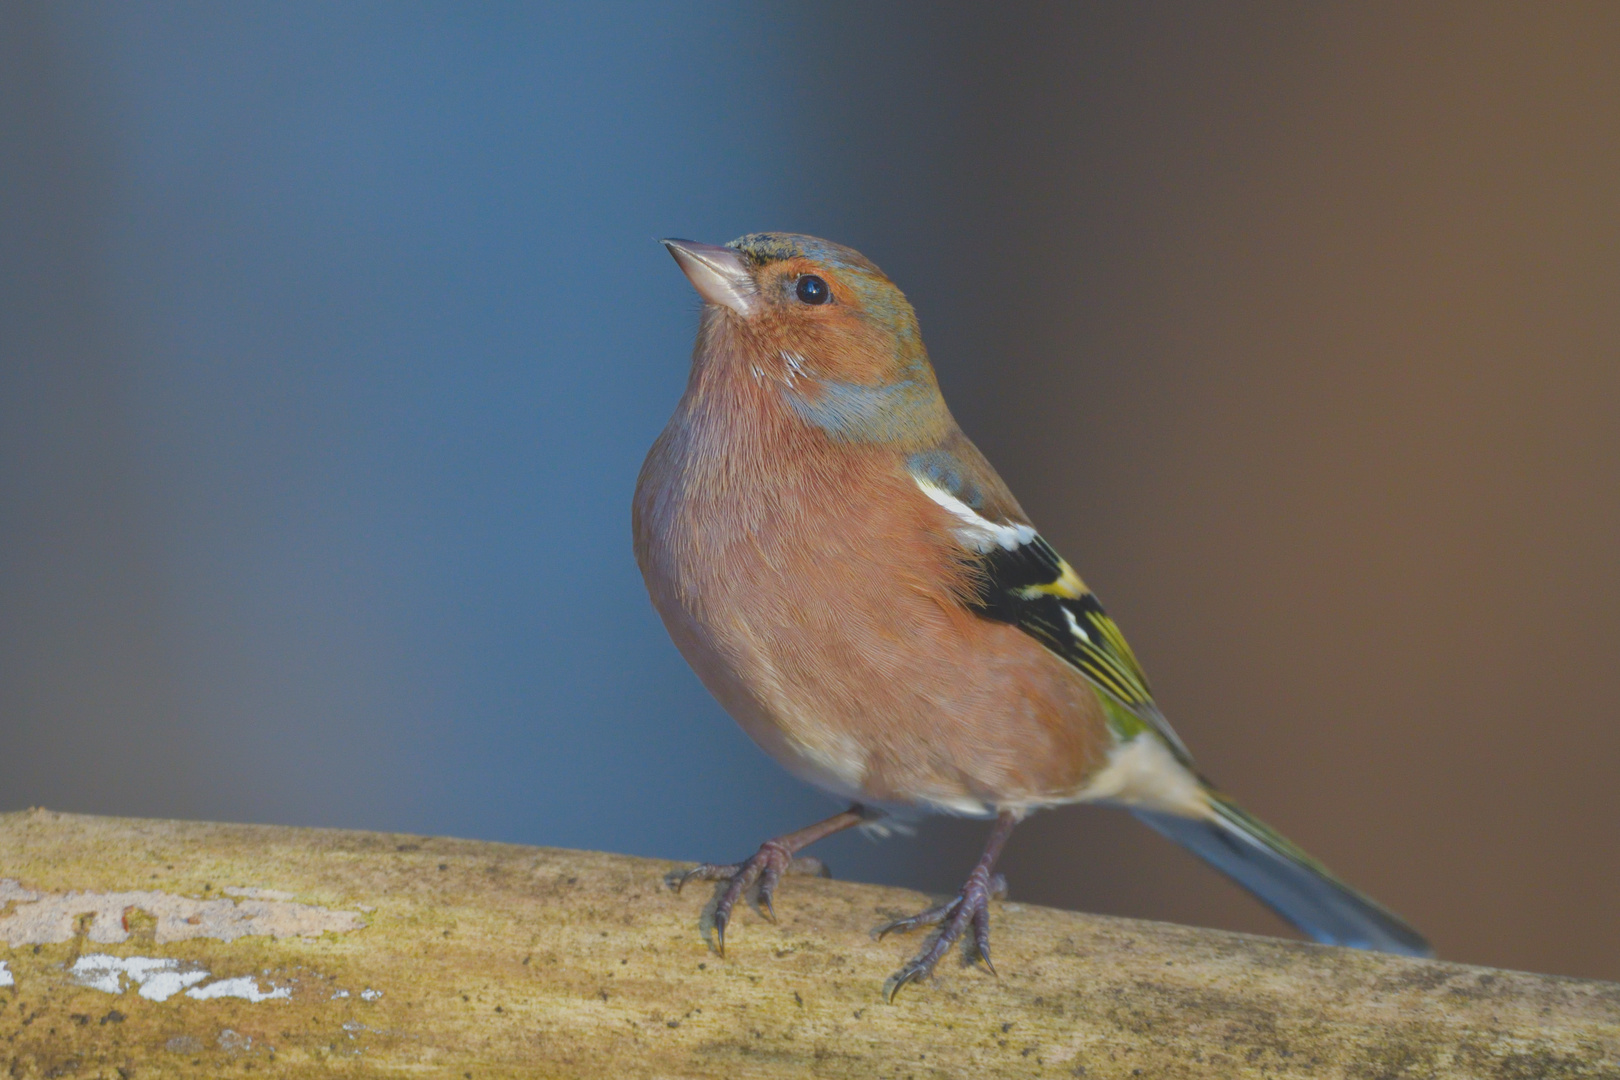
{"x":1031,"y":587}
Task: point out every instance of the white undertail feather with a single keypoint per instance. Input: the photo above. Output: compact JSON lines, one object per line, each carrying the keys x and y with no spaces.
{"x":1144,"y":774}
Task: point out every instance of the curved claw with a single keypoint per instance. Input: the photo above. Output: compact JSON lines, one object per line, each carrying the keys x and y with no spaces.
{"x":703,"y":871}
{"x":897,"y":981}
{"x":720,"y":934}
{"x":981,"y":938}
{"x":768,"y":879}
{"x":983,"y":949}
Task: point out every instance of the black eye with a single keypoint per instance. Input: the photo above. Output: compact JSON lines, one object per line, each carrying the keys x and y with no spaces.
{"x":812,"y":290}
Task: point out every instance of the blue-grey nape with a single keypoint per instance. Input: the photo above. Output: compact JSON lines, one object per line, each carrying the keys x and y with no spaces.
{"x":851,"y":412}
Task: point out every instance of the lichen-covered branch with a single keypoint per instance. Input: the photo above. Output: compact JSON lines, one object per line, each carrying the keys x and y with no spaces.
{"x":136,"y":948}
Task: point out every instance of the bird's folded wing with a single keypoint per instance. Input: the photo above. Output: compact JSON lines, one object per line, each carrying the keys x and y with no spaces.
{"x":1020,"y":579}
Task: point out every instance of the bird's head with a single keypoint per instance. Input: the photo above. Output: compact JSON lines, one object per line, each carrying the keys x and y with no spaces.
{"x":823,"y":322}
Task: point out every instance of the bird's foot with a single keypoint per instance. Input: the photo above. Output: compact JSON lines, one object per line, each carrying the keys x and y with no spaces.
{"x":773,"y":859}
{"x":970,"y":907}
{"x":768,"y":865}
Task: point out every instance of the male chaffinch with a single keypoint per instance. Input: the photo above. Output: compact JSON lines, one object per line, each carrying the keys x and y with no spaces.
{"x":851,"y":579}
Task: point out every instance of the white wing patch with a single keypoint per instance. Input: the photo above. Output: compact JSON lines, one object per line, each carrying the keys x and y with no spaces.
{"x":977,"y":533}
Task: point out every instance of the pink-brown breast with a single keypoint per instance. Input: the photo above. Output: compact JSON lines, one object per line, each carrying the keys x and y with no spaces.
{"x":815,"y":591}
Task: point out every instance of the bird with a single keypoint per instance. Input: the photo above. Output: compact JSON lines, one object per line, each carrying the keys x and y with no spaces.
{"x":850,"y":578}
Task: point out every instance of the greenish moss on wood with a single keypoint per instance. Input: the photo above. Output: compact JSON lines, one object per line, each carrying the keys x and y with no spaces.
{"x":495,"y":960}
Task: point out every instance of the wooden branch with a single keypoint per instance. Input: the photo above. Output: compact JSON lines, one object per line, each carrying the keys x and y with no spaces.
{"x":158,"y":948}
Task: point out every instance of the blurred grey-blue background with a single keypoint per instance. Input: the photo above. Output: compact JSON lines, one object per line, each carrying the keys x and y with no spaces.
{"x":332,"y":336}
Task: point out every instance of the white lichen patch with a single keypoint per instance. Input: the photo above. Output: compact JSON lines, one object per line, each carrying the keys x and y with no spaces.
{"x":165,"y":984}
{"x":40,"y":918}
{"x":243,"y":986}
{"x":159,"y":978}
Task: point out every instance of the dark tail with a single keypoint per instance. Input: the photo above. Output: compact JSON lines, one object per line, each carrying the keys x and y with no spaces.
{"x":1287,"y":880}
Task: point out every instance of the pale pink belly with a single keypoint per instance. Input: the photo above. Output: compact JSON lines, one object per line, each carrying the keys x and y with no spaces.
{"x":870,"y":685}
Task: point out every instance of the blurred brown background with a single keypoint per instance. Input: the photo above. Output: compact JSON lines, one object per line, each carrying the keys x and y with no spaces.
{"x":1300,"y":334}
{"x":1296,"y":328}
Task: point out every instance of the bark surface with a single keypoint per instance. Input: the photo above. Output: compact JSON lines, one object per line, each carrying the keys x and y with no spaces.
{"x":132,"y":948}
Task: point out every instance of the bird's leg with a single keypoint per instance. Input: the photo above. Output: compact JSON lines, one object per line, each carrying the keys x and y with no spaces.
{"x":971,"y":907}
{"x":773,"y":859}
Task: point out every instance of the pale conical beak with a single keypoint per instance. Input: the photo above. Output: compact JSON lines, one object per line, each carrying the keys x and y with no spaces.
{"x":718,"y":274}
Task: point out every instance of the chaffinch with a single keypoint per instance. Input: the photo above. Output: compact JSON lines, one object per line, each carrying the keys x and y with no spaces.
{"x":851,"y":579}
